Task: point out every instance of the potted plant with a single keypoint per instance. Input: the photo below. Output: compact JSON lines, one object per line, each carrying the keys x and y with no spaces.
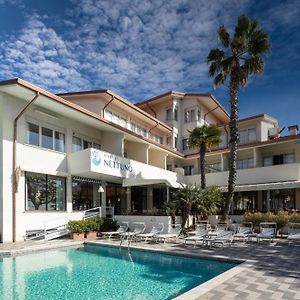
{"x":92,"y":228}
{"x":78,"y":229}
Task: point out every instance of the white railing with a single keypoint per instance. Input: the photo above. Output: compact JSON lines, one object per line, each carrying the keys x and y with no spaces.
{"x":99,"y":212}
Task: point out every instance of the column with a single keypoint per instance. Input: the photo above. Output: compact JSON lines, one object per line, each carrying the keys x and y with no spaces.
{"x":128,"y":195}
{"x":268,"y":200}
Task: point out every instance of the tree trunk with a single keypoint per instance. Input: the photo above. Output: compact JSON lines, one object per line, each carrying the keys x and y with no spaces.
{"x":202,"y":151}
{"x":233,"y":141}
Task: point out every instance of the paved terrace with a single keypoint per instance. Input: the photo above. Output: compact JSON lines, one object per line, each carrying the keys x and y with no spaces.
{"x":274,"y":274}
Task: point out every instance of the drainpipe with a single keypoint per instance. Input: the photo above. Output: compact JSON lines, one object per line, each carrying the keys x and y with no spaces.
{"x":14,"y":191}
{"x":111,"y":100}
{"x":210,"y":112}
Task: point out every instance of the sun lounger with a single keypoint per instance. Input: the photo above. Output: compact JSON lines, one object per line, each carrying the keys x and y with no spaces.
{"x":199,"y":236}
{"x":267,"y":231}
{"x":138,"y":228}
{"x":172,"y":233}
{"x":157,"y":229}
{"x":243,"y":231}
{"x":293,"y":232}
{"x":223,"y":238}
{"x":122,"y":228}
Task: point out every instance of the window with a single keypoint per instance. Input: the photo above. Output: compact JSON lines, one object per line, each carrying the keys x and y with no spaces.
{"x":198,"y":115}
{"x":176,"y":114}
{"x":188,"y":170}
{"x":115,"y":118}
{"x":45,"y":192}
{"x":45,"y":137}
{"x":169,"y":141}
{"x":169,"y":114}
{"x":85,"y":193}
{"x":138,"y":129}
{"x":245,"y":163}
{"x":169,"y":167}
{"x":185,"y":145}
{"x":247,"y":136}
{"x":212,"y":168}
{"x":156,"y":138}
{"x":280,"y":159}
{"x":33,"y":134}
{"x":189,"y":116}
{"x":175,"y":142}
{"x":80,"y":144}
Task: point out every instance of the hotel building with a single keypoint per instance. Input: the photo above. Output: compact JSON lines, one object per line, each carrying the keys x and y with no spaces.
{"x":62,"y":155}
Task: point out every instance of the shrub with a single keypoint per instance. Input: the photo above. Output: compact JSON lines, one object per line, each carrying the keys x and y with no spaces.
{"x":294,"y":218}
{"x":77,"y":226}
{"x":256,"y":218}
{"x":281,"y":219}
{"x":108,"y":224}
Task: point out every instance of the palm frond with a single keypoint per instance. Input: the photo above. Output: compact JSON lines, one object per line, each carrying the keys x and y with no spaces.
{"x":224,"y":36}
{"x":254,"y":65}
{"x":215,"y":55}
{"x":243,"y":26}
{"x":220,"y":79}
{"x":259,"y":43}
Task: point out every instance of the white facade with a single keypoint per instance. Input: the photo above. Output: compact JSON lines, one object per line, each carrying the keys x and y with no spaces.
{"x":65,"y":151}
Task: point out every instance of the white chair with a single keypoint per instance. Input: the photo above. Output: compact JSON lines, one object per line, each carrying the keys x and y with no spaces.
{"x":157,"y":229}
{"x":138,"y":228}
{"x":223,"y":238}
{"x":200,"y":234}
{"x":267,"y":231}
{"x":243,"y":231}
{"x":293,"y":232}
{"x":173,"y":232}
{"x":122,"y":228}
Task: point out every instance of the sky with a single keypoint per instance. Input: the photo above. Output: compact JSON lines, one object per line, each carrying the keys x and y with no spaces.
{"x":143,"y":48}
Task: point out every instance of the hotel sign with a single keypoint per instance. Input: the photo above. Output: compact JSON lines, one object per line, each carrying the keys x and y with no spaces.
{"x":105,"y":161}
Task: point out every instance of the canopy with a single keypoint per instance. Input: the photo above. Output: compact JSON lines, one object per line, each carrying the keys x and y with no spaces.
{"x":265,"y":186}
{"x":142,"y":181}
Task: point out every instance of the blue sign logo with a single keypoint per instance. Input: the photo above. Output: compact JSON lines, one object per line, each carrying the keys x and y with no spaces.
{"x":96,"y":158}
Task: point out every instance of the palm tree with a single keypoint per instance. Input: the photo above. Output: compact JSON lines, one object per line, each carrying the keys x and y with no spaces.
{"x":204,"y":137}
{"x":242,"y":56}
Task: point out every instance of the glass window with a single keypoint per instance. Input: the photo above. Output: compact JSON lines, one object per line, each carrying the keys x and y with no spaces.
{"x":87,"y":144}
{"x":123,"y":122}
{"x":176,"y":114}
{"x":188,"y":170}
{"x":175,"y":142}
{"x":185,"y":144}
{"x":108,"y":115}
{"x":279,"y":200}
{"x":243,"y":136}
{"x":252,"y":135}
{"x":289,"y":158}
{"x":169,"y":114}
{"x":59,"y":141}
{"x":189,"y":116}
{"x":33,"y":134}
{"x":244,"y":201}
{"x":76,"y":144}
{"x":97,"y":146}
{"x":169,"y":141}
{"x":45,"y":192}
{"x":56,"y":189}
{"x":47,"y":138}
{"x":268,"y":161}
{"x":198,"y":115}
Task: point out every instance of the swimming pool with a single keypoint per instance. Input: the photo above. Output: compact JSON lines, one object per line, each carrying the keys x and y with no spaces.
{"x":96,"y":272}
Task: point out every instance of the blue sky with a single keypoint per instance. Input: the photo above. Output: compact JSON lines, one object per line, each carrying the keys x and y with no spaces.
{"x":141,"y":48}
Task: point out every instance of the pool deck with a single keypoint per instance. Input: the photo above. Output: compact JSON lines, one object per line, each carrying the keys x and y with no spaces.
{"x":273,"y":271}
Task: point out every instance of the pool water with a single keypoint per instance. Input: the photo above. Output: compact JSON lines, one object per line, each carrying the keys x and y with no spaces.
{"x":95,"y":272}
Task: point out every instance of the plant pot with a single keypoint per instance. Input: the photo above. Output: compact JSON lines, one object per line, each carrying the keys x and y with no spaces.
{"x":91,"y":234}
{"x":77,"y":235}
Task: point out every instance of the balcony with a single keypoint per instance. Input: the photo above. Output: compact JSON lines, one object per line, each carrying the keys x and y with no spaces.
{"x":93,"y":163}
{"x":278,"y":173}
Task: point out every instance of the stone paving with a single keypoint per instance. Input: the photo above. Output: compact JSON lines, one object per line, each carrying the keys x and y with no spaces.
{"x":274,"y":274}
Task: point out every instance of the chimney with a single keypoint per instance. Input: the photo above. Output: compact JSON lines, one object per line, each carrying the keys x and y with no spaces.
{"x":293,"y":129}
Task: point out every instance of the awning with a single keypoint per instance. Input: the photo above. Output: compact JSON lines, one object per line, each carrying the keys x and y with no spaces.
{"x":142,"y":181}
{"x":265,"y":186}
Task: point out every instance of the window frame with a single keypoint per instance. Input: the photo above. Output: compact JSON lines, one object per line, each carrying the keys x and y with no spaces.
{"x":46,"y":176}
{"x":49,"y":127}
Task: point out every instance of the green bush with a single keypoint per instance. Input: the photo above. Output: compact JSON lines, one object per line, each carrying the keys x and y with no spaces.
{"x":281,"y":218}
{"x":294,"y":218}
{"x":108,"y":224}
{"x":77,"y":226}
